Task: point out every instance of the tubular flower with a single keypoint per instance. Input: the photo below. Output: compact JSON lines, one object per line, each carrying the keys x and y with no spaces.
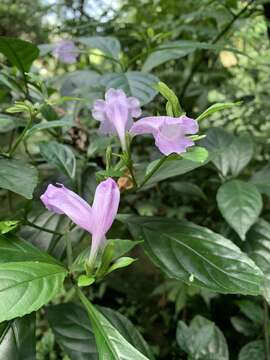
{"x":66,"y":51}
{"x":97,"y":219}
{"x":169,"y":132}
{"x":116,"y":113}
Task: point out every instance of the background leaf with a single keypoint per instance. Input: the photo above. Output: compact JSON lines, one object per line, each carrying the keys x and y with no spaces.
{"x":59,"y":155}
{"x":108,"y":45}
{"x":18,"y":176}
{"x":253,"y":351}
{"x":134,"y":83}
{"x":18,"y":340}
{"x":20,"y":53}
{"x":240,"y":204}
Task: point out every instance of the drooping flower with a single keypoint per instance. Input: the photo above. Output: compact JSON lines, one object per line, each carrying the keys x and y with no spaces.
{"x":116,"y":113}
{"x":97,"y":219}
{"x":66,"y":51}
{"x":169,"y":132}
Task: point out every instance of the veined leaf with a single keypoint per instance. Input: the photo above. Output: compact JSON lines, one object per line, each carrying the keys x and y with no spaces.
{"x":196,"y":255}
{"x":110,"y":343}
{"x":108,"y":45}
{"x":17,"y":339}
{"x":29,"y":278}
{"x":64,"y":122}
{"x":253,"y":351}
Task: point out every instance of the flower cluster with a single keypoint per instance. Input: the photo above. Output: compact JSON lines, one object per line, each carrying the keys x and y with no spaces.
{"x":116,"y":114}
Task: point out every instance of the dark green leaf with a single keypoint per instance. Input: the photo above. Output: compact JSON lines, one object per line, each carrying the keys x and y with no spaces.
{"x":18,"y":176}
{"x":20,"y":53}
{"x":240,"y":204}
{"x":197,"y":255}
{"x":253,"y":351}
{"x":110,"y":343}
{"x":72,"y":330}
{"x":262,"y":180}
{"x":59,"y":155}
{"x":17,"y":340}
{"x":202,"y":340}
{"x":134,"y":83}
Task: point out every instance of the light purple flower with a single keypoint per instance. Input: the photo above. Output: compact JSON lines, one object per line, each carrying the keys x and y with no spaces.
{"x":169,"y":132}
{"x":116,"y":113}
{"x":66,"y":51}
{"x":96,"y":220}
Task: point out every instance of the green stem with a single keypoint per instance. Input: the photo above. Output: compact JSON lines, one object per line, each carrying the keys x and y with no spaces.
{"x":29,"y":223}
{"x":68,"y":250}
{"x":21,"y":137}
{"x":266,"y":330}
{"x":152,"y":172}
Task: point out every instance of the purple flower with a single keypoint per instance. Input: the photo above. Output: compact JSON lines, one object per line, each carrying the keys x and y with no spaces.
{"x":116,"y":113}
{"x":96,"y":220}
{"x":66,"y":51}
{"x":169,"y":132}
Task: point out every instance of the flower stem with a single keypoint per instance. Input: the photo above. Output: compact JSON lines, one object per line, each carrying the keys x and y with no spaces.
{"x":68,"y":250}
{"x":152,"y":172}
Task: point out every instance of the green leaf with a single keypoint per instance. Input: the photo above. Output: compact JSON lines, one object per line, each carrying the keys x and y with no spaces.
{"x":173,"y":106}
{"x":17,"y":339}
{"x":110,"y":343}
{"x":194,"y":254}
{"x":175,"y":50}
{"x":258,"y":248}
{"x":239,"y":153}
{"x":20,"y":53}
{"x":240,"y":204}
{"x":261,"y":179}
{"x":202,"y":340}
{"x":120,"y":247}
{"x":134,"y":83}
{"x":7,"y":226}
{"x":128,"y":330}
{"x":121,"y":263}
{"x":8,"y":123}
{"x":73,"y":331}
{"x":29,"y":278}
{"x":59,"y":155}
{"x":251,"y":310}
{"x":189,"y":189}
{"x":218,"y":141}
{"x":85,"y":280}
{"x":64,"y":122}
{"x":215,"y":108}
{"x":85,"y":83}
{"x":170,"y":168}
{"x":18,"y":176}
{"x":108,"y":45}
{"x":197,"y":154}
{"x":253,"y":351}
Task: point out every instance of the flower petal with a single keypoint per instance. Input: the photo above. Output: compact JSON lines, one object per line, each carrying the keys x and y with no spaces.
{"x":64,"y":201}
{"x":177,"y":144}
{"x":190,"y":126}
{"x":104,"y":210}
{"x":148,"y":125}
